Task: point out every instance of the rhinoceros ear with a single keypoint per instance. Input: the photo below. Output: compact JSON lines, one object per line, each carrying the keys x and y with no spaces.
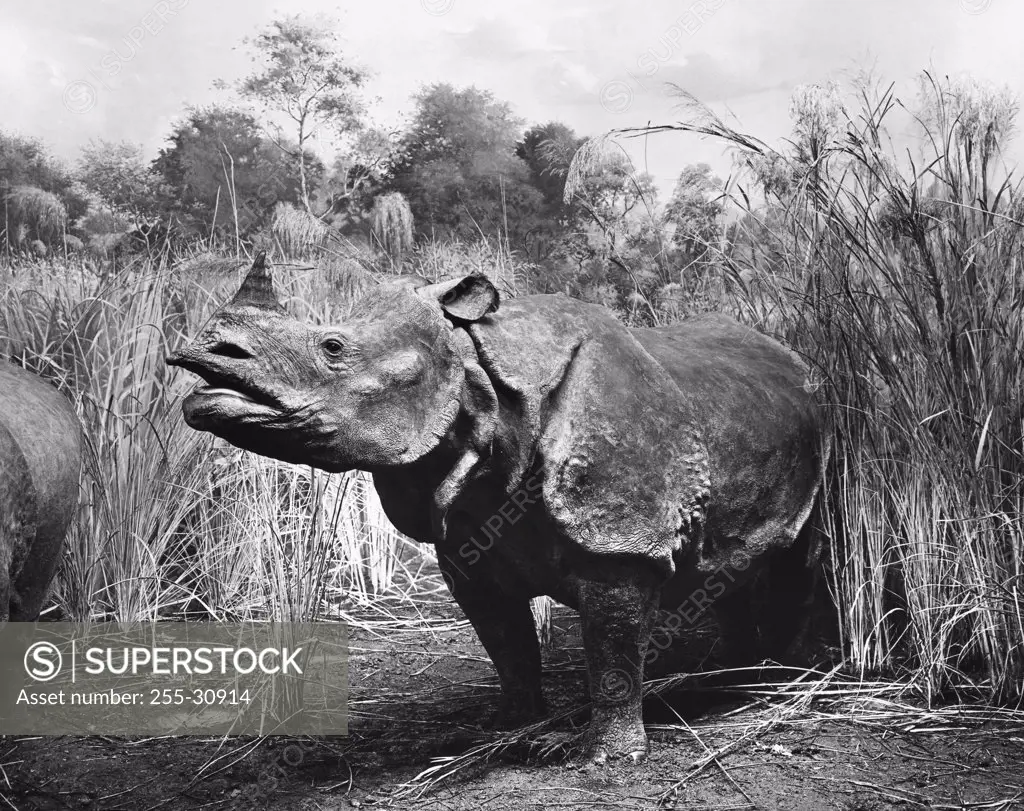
{"x":467,"y":299}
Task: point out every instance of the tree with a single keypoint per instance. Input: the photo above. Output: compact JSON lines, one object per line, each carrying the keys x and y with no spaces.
{"x":458,"y":169}
{"x":603,"y":184}
{"x":695,"y":210}
{"x":348,"y":189}
{"x":303,"y":76}
{"x":222,"y":171}
{"x":467,"y":126}
{"x":621,"y":255}
{"x":117,"y":174}
{"x":547,"y":151}
{"x":25,"y":162}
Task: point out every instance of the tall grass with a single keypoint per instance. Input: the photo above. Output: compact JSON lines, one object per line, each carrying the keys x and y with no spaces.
{"x":438,"y":260}
{"x":296,"y":231}
{"x":36,"y":214}
{"x":900,"y":280}
{"x":391,"y":224}
{"x":170,"y":520}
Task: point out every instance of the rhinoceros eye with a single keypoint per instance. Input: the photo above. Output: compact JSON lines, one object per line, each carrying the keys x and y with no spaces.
{"x":332,"y":346}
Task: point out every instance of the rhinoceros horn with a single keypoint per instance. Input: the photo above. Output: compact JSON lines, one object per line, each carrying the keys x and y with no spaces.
{"x":257,"y":288}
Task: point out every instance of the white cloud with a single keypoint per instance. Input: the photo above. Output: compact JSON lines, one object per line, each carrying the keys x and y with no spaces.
{"x":549,"y":61}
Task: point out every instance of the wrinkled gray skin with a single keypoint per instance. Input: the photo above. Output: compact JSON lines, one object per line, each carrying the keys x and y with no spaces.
{"x":40,"y":461}
{"x":544,"y":448}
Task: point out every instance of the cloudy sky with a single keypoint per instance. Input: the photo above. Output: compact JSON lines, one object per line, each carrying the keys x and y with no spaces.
{"x":125,"y":69}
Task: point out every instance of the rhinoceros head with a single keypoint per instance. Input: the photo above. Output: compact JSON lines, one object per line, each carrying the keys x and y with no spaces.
{"x":381,"y":389}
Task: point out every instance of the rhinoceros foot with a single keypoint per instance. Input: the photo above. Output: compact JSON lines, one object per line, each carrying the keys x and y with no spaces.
{"x":517,"y":710}
{"x":619,"y":738}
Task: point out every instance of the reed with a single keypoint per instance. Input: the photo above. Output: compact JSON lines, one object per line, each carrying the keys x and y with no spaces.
{"x":900,"y":282}
{"x":172,"y":521}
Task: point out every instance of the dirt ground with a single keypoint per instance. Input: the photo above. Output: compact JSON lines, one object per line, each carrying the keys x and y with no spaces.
{"x":422,"y":686}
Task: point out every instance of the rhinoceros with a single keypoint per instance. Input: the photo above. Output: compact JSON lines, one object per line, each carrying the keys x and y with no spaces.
{"x":40,"y":462}
{"x":544,"y":448}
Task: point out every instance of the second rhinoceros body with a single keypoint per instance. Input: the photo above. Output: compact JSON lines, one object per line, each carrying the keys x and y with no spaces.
{"x":40,"y":462}
{"x":544,"y":448}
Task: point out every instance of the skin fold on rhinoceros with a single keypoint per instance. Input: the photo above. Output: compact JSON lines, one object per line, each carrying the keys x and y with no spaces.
{"x":40,"y":462}
{"x":543,"y":448}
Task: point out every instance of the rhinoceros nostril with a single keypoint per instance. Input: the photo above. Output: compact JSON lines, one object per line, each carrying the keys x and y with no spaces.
{"x":227,"y":349}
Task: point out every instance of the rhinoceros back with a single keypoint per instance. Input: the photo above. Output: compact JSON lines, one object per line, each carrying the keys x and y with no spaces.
{"x":763,"y":428}
{"x":699,"y":441}
{"x":624,"y":467}
{"x":40,"y":462}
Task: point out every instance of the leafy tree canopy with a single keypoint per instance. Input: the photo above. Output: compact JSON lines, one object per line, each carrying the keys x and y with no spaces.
{"x":117,"y":174}
{"x":547,"y":151}
{"x":219,"y":162}
{"x":696,"y":209}
{"x":457,"y":167}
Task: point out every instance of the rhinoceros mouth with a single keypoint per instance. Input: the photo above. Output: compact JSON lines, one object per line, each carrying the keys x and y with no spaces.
{"x":217,"y":384}
{"x":206,"y":390}
{"x":212,"y":408}
{"x":231,"y":391}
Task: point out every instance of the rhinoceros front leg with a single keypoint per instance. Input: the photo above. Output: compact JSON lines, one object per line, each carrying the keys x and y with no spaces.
{"x":618,"y":604}
{"x":504,"y":624}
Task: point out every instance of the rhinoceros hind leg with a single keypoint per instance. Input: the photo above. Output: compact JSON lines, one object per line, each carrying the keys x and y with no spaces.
{"x":789,"y":592}
{"x":618,"y":605}
{"x":504,"y":623}
{"x":739,"y":637}
{"x":768,"y":616}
